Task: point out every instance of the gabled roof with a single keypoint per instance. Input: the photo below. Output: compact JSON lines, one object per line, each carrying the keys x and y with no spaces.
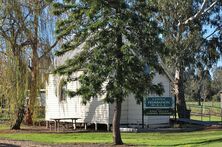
{"x":60,"y":60}
{"x":165,"y":70}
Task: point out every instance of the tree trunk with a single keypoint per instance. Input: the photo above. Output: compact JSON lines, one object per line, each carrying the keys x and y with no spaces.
{"x":116,"y":124}
{"x":19,"y":119}
{"x":20,"y":91}
{"x":34,"y":68}
{"x":117,"y":140}
{"x":179,"y":92}
{"x":33,"y":89}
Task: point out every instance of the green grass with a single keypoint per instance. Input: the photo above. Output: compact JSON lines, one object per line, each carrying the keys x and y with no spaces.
{"x":212,"y":108}
{"x":206,"y":118}
{"x":213,"y":104}
{"x":4,"y":126}
{"x":198,"y":138}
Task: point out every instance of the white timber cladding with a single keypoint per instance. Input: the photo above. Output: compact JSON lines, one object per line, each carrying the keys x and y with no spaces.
{"x":97,"y":111}
{"x":132,"y":112}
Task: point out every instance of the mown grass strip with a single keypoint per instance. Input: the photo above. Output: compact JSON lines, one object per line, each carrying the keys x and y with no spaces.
{"x":198,"y":138}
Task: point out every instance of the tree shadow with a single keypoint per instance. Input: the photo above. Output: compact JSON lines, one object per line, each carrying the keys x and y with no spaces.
{"x":8,"y":145}
{"x":203,"y":142}
{"x":89,"y":115}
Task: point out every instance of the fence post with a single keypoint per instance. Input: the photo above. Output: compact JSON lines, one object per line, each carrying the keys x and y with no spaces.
{"x":221,"y":115}
{"x":201,"y":114}
{"x":209,"y":114}
{"x":220,"y":105}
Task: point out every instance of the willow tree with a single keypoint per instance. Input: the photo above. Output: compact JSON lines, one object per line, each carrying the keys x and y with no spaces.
{"x":117,"y":38}
{"x":192,"y":31}
{"x":14,"y":72}
{"x":35,"y":21}
{"x":35,"y":24}
{"x":15,"y":85}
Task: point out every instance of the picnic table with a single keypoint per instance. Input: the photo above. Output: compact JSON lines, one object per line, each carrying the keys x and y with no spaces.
{"x":57,"y":122}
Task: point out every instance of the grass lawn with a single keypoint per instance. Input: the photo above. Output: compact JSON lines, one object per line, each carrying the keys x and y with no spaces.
{"x":198,"y":138}
{"x":212,"y":108}
{"x":206,"y":118}
{"x":213,"y":104}
{"x":4,"y":126}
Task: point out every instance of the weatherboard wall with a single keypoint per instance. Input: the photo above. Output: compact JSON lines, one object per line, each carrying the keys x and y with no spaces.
{"x":132,"y":112}
{"x":96,"y":111}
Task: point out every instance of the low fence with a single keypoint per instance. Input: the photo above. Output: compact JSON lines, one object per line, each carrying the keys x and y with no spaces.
{"x":205,"y":112}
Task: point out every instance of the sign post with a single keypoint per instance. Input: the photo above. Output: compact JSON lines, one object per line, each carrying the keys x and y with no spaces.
{"x":221,"y":105}
{"x":221,"y":99}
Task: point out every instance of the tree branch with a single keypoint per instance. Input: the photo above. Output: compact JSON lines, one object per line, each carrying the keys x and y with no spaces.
{"x":25,"y":43}
{"x":201,"y":12}
{"x":3,"y":53}
{"x":4,"y":34}
{"x":49,"y":49}
{"x":208,"y":37}
{"x":212,"y":33}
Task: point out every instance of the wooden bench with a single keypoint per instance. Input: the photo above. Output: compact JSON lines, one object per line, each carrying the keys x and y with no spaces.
{"x":57,"y":122}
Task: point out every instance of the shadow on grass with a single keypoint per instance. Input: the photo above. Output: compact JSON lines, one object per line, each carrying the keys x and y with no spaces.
{"x":204,"y":142}
{"x":8,"y":145}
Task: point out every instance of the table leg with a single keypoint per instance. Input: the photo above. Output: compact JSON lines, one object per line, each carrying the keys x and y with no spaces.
{"x":55,"y":125}
{"x":75,"y":124}
{"x":58,"y":125}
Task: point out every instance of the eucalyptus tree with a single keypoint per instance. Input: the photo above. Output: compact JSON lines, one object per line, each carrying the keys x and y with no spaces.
{"x":193,"y":34}
{"x":117,"y":38}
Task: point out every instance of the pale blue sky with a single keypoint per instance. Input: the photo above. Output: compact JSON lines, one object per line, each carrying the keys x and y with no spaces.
{"x":219,"y":63}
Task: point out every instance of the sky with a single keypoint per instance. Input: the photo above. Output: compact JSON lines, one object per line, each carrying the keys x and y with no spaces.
{"x":219,"y":63}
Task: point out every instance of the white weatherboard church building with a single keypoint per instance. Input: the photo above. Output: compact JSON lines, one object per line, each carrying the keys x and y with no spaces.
{"x":96,"y":111}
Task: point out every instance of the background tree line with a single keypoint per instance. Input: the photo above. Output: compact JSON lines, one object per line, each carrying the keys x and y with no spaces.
{"x":203,"y":84}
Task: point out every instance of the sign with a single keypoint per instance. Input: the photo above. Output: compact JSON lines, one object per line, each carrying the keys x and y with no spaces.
{"x":158,"y":106}
{"x":158,"y":111}
{"x":159,"y":102}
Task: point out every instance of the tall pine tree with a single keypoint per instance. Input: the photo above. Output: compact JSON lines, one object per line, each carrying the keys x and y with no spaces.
{"x":118,"y":38}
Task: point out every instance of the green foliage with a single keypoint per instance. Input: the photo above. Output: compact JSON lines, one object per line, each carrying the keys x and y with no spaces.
{"x":200,"y":82}
{"x":186,"y":33}
{"x":217,"y":82}
{"x":198,"y":85}
{"x":192,"y":43}
{"x":113,"y":41}
{"x":15,"y":82}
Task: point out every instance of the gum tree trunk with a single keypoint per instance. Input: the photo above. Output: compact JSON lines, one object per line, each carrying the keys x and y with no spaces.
{"x":179,"y":92}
